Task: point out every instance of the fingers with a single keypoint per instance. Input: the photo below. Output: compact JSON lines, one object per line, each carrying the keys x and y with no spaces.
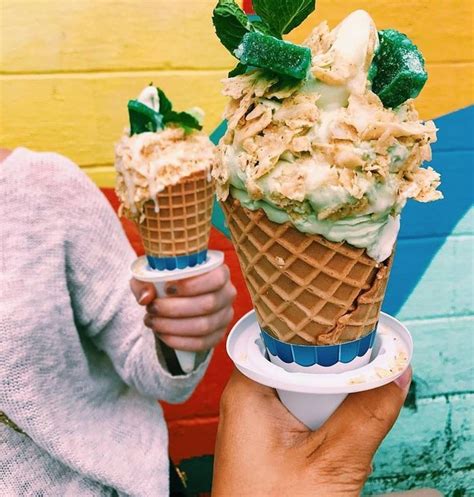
{"x":144,"y":292}
{"x":206,"y":283}
{"x":184,"y":307}
{"x":190,"y":327}
{"x":195,"y":318}
{"x":363,"y":421}
{"x":194,"y":344}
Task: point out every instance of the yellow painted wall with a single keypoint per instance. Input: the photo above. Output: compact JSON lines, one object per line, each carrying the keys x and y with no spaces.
{"x":67,"y":68}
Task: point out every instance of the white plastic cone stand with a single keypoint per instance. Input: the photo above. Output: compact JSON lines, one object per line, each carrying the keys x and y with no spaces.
{"x":142,"y":272}
{"x":314,"y":395}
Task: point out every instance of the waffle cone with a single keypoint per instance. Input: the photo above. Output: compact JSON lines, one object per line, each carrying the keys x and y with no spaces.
{"x":306,"y":289}
{"x":183,"y":222}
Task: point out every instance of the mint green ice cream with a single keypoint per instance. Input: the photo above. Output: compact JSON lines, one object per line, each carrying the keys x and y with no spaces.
{"x":324,"y":154}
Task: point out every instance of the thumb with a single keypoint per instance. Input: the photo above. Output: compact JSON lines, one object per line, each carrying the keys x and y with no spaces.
{"x":145,"y":293}
{"x":364,"y":419}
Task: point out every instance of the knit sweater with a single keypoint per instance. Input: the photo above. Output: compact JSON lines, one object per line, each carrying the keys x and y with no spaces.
{"x":79,"y":371}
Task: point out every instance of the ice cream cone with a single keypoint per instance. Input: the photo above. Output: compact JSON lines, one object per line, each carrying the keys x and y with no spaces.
{"x":306,"y":289}
{"x":175,"y":228}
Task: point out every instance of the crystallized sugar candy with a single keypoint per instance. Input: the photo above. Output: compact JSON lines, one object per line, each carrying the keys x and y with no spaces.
{"x":398,"y":70}
{"x":245,"y":38}
{"x":268,"y":52}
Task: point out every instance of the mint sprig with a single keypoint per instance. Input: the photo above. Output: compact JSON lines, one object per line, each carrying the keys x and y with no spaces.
{"x":238,"y":69}
{"x":165,"y":103}
{"x":183,"y":119}
{"x":231,"y":24}
{"x":144,"y":119}
{"x":282,"y":16}
{"x":277,"y":17}
{"x":263,"y":28}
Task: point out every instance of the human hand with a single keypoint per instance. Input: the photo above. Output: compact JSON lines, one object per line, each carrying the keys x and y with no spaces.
{"x":195,"y":312}
{"x":262,"y":450}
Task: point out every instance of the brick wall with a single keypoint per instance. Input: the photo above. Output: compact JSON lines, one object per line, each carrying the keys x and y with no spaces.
{"x":68,"y":68}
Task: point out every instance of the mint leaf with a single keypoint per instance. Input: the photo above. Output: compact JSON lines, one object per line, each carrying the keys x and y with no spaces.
{"x":197,"y":113}
{"x":231,"y":24}
{"x":143,"y":119}
{"x":282,"y":16}
{"x":263,"y":28}
{"x":238,"y":69}
{"x":183,"y":119}
{"x":165,"y":104}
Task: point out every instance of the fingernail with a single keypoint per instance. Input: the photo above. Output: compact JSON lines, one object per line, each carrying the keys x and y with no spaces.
{"x":171,"y":290}
{"x":403,"y":382}
{"x":145,"y":295}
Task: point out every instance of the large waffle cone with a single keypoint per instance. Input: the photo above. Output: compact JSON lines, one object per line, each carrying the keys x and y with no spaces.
{"x":182,"y":224}
{"x":306,"y":289}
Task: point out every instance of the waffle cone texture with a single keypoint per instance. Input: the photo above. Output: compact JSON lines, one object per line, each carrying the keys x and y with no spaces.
{"x":182,"y":224}
{"x":306,"y":289}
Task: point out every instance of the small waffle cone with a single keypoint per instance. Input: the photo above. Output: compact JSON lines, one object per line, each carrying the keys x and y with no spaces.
{"x":182,"y":224}
{"x":306,"y":289}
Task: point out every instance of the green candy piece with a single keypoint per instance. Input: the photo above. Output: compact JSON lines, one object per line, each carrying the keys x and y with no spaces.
{"x":142,"y":118}
{"x":268,"y":52}
{"x":398,"y":69}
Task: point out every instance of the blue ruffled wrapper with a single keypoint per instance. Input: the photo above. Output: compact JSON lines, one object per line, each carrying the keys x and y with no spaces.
{"x":327,"y":356}
{"x":177,"y":262}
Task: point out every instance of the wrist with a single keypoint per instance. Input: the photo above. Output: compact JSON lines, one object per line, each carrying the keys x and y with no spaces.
{"x":167,"y":357}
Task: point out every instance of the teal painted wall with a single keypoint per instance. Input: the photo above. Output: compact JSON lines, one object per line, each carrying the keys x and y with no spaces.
{"x":432,"y":293}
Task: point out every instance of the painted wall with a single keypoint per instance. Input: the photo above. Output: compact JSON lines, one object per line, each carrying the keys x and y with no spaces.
{"x":66,"y":72}
{"x":68,"y":68}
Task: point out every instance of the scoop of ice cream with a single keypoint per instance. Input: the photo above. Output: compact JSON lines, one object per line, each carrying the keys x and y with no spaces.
{"x":324,"y":153}
{"x":148,"y":162}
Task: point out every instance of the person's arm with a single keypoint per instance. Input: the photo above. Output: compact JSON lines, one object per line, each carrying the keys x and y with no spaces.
{"x":98,"y":269}
{"x":263,"y":450}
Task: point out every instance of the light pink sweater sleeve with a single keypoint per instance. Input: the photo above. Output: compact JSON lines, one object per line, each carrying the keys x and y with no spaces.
{"x":78,"y":369}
